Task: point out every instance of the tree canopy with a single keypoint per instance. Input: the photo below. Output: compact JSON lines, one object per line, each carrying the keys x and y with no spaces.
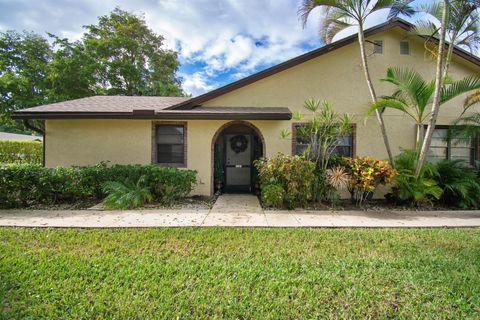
{"x":120,"y":55}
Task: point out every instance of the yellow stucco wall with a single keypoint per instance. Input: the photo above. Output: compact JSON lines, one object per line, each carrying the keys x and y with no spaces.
{"x":336,"y":76}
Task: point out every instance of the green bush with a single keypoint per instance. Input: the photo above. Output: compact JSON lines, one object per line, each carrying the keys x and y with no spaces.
{"x":25,"y":184}
{"x":410,"y":189}
{"x":460,"y":184}
{"x":272,"y":195}
{"x":127,"y":194}
{"x":293,"y":173}
{"x":21,"y":152}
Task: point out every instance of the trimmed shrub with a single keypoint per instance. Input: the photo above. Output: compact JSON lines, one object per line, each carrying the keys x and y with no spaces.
{"x":21,"y":152}
{"x":127,"y":194}
{"x":293,"y":173}
{"x":272,"y":195}
{"x":25,"y":184}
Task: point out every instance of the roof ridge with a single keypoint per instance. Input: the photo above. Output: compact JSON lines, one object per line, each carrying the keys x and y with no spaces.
{"x":389,"y":24}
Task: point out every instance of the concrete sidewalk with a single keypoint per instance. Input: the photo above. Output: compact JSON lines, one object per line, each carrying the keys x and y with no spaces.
{"x":237,"y":211}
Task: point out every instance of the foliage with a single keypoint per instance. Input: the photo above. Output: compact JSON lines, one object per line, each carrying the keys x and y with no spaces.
{"x":410,"y":188}
{"x":366,"y":174}
{"x":337,"y":15}
{"x":118,"y":55}
{"x":172,"y":273}
{"x":341,"y":14}
{"x":21,"y":152}
{"x":413,"y":94}
{"x":23,"y":185}
{"x":460,"y":184}
{"x":323,"y":131}
{"x":127,"y":194}
{"x":462,"y":27}
{"x":130,"y":57}
{"x":294,"y":173}
{"x":273,"y":195}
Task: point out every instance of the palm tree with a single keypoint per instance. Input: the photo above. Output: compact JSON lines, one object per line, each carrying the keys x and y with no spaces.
{"x":340,"y":14}
{"x":467,"y":127}
{"x":413,"y":94}
{"x":436,"y":92}
{"x":462,"y":28}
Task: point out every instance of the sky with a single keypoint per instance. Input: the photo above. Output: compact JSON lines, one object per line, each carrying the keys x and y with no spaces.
{"x":218,"y":41}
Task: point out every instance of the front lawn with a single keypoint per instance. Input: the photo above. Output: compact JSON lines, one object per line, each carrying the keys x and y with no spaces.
{"x":239,"y":273}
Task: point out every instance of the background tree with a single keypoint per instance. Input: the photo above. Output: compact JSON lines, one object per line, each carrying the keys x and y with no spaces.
{"x":119,"y":55}
{"x":24,"y":59}
{"x":340,"y":14}
{"x":130,"y":57}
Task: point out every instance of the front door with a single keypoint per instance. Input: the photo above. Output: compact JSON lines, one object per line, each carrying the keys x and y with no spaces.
{"x":238,"y":162}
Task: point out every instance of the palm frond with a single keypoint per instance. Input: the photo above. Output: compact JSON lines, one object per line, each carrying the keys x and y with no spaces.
{"x":400,"y":7}
{"x":472,"y":99}
{"x":459,"y":87}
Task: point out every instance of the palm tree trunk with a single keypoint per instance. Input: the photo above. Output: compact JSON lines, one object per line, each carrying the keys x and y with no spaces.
{"x":361,"y":41}
{"x":436,"y":94}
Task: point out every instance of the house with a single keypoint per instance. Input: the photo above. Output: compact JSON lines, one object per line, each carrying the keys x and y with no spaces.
{"x":243,"y":120}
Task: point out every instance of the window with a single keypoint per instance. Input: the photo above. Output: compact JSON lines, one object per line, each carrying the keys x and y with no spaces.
{"x":170,"y":146}
{"x":404,"y":48}
{"x":454,"y":149}
{"x":378,"y":46}
{"x":344,"y":147}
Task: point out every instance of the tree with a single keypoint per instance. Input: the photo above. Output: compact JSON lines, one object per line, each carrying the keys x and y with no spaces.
{"x":71,"y":73}
{"x":462,"y":27}
{"x":413,"y":94}
{"x":436,"y":93}
{"x":130,"y":57}
{"x":340,"y":14}
{"x":24,"y":59}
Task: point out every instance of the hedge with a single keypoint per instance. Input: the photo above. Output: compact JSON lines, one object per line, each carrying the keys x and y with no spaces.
{"x":21,"y":151}
{"x":26,"y":184}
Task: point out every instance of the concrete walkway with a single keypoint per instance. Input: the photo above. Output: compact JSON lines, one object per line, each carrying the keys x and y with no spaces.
{"x":237,"y":211}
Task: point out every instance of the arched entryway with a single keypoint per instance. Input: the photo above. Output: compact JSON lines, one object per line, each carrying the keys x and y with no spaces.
{"x":235,"y":146}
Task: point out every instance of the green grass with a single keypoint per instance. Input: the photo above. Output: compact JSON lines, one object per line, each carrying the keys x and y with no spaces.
{"x":240,"y":273}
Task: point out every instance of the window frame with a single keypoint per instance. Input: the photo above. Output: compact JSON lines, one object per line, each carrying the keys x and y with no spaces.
{"x":400,"y":47}
{"x":353,"y":134}
{"x":475,"y":146}
{"x":375,"y":46}
{"x":155,"y":124}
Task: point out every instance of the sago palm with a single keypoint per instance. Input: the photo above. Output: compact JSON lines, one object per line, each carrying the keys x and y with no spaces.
{"x":340,"y":14}
{"x":413,"y":94}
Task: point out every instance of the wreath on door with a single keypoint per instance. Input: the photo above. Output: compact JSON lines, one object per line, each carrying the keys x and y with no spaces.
{"x":239,"y":143}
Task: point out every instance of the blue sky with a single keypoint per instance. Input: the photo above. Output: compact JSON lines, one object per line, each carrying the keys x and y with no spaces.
{"x":218,"y":41}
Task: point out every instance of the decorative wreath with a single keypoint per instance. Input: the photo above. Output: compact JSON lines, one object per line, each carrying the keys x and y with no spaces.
{"x":239,"y":143}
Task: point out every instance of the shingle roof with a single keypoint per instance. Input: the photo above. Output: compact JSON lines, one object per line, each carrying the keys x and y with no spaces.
{"x":108,"y":104}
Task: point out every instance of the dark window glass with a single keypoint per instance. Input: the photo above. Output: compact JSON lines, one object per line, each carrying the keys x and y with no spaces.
{"x":378,"y":46}
{"x":404,"y":48}
{"x":344,"y":147}
{"x":442,"y":148}
{"x":170,"y":144}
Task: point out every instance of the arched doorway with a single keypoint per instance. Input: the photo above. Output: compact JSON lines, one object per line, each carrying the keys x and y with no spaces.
{"x":235,"y":146}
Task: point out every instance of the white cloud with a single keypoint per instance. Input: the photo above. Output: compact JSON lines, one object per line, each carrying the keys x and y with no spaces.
{"x":196,"y":83}
{"x":232,"y":38}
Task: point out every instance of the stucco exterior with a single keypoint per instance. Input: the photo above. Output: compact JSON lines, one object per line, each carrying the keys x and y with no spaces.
{"x":335,"y":76}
